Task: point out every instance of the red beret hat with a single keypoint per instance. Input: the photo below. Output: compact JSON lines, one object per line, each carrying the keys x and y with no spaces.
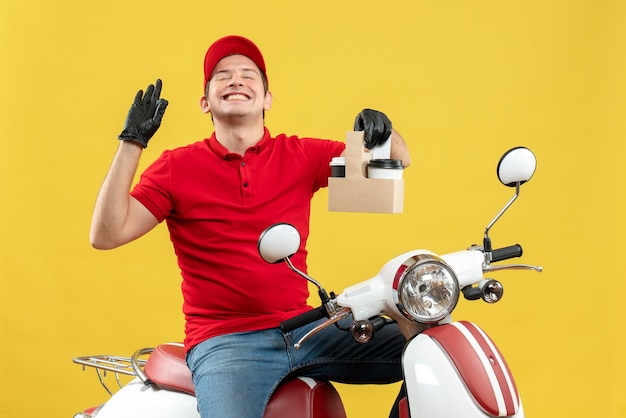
{"x":231,"y":45}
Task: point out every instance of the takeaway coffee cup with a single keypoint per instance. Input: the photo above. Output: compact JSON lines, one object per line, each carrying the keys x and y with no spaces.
{"x":338,"y":167}
{"x":385,"y":169}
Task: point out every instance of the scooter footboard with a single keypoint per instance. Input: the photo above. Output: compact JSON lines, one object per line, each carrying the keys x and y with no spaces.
{"x":457,"y":370}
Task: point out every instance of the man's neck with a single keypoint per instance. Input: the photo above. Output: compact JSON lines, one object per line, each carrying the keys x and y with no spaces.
{"x":238,"y":138}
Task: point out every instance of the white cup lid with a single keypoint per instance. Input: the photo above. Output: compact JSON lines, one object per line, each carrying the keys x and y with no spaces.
{"x":338,"y":161}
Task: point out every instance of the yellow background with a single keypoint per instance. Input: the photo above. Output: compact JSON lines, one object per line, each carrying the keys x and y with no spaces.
{"x":462,"y":80}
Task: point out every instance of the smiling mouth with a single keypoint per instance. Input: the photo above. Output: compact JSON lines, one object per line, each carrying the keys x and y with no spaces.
{"x":236,"y":96}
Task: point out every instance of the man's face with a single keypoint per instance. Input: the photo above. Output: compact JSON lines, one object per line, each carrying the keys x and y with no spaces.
{"x":236,"y":89}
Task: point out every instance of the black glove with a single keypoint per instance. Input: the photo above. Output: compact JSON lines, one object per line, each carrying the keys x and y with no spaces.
{"x":376,"y":125}
{"x":144,"y":116}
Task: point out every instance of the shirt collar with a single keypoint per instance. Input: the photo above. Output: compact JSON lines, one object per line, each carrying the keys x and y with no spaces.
{"x":223,"y":152}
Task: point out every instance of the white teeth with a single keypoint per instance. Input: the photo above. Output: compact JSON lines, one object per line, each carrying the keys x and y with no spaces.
{"x":236,"y":97}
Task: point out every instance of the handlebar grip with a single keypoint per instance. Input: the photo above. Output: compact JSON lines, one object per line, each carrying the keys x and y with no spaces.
{"x":505,"y":253}
{"x":303,"y":319}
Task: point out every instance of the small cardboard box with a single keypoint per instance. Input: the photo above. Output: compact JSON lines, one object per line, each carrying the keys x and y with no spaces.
{"x":357,"y":193}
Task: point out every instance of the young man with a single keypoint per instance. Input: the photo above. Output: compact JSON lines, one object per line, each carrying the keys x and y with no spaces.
{"x":217,"y":196}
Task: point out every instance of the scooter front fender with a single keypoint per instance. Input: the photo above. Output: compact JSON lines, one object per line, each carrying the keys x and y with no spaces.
{"x":455,"y":370}
{"x":137,"y":400}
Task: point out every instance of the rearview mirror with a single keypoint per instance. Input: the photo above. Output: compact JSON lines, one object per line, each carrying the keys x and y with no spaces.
{"x":278,"y":242}
{"x":517,"y":165}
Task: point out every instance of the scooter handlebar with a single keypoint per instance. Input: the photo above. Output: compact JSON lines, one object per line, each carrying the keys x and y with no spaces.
{"x":303,"y":319}
{"x":505,"y":253}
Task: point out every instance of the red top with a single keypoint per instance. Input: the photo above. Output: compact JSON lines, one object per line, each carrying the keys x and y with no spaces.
{"x":216,"y":205}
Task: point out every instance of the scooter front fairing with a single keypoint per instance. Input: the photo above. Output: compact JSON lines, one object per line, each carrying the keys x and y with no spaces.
{"x":456,"y":370}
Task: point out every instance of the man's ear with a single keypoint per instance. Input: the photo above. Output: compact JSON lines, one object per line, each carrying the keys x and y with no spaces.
{"x":268,"y":101}
{"x":204,"y":105}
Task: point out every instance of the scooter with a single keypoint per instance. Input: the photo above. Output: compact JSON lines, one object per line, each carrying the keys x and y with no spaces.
{"x":451,"y":368}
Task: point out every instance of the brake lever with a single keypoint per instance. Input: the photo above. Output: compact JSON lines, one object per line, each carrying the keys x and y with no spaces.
{"x":334,"y":318}
{"x":491,"y":268}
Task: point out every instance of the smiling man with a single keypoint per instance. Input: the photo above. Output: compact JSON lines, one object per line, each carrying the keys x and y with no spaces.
{"x":217,"y":196}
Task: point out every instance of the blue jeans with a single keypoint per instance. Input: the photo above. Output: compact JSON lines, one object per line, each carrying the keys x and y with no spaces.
{"x":234,"y":375}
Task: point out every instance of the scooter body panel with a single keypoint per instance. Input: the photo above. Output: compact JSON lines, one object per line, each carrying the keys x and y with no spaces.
{"x":137,"y":400}
{"x":456,"y":370}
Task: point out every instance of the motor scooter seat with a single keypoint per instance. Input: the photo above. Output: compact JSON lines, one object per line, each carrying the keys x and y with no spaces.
{"x":166,"y":367}
{"x":300,"y":396}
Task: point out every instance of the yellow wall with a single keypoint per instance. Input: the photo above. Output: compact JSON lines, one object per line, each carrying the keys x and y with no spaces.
{"x":462,"y":80}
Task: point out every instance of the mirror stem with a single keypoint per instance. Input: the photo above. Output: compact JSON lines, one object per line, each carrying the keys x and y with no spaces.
{"x":320,"y":289}
{"x":487,"y":240}
{"x":504,"y":209}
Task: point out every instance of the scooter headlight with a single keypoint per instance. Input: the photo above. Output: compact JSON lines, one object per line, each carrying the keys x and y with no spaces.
{"x":425,"y":289}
